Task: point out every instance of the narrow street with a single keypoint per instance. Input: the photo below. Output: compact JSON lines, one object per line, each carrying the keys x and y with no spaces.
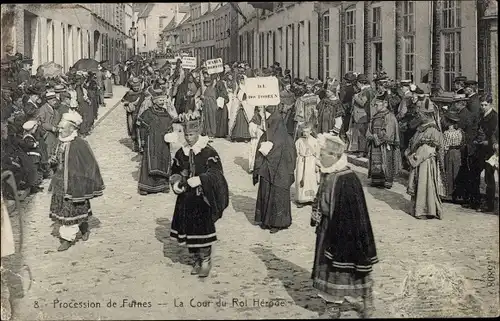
{"x":129,"y":256}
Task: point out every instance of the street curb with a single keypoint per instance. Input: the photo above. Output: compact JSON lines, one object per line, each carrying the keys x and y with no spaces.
{"x":109,"y":111}
{"x":363,"y":162}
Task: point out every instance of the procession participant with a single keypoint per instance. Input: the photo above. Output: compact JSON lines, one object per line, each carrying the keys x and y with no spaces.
{"x":239,"y":122}
{"x":485,"y":142}
{"x":459,"y":85}
{"x":100,"y":77}
{"x":346,"y":93}
{"x":155,"y":164}
{"x":84,"y":104}
{"x":76,"y":181}
{"x":222,"y":113}
{"x":452,"y":143}
{"x":93,"y":94}
{"x":383,"y":141}
{"x":108,"y":84}
{"x":256,"y":128}
{"x":177,"y":79}
{"x":306,"y":183}
{"x":345,"y":250}
{"x":116,"y":73}
{"x":32,"y":101}
{"x":330,"y":111}
{"x":425,"y":156}
{"x":305,"y":108}
{"x":132,"y":101}
{"x":48,"y":116}
{"x":202,"y":194}
{"x":274,"y":171}
{"x":361,"y":103}
{"x":209,"y":108}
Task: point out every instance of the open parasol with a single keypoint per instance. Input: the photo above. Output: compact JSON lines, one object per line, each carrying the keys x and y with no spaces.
{"x":86,"y":64}
{"x":49,"y":70}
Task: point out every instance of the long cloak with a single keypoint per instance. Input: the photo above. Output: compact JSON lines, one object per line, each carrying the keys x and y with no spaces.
{"x":155,"y":164}
{"x":197,"y":209}
{"x":276,"y":175}
{"x":210,"y":111}
{"x":84,"y":109}
{"x":222,"y":115}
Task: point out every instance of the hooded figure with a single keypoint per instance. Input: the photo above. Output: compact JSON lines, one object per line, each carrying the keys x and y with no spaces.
{"x":274,"y":171}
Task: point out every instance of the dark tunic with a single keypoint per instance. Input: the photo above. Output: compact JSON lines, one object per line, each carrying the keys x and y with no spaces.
{"x":85,"y":109}
{"x":222,"y":114}
{"x":197,"y":209}
{"x":76,"y":181}
{"x":134,"y":99}
{"x":345,"y":247}
{"x":345,"y":95}
{"x":15,"y":159}
{"x":155,"y":164}
{"x":328,"y":110}
{"x":276,"y":175}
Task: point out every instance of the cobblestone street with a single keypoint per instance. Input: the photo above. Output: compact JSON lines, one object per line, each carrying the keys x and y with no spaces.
{"x":129,"y":256}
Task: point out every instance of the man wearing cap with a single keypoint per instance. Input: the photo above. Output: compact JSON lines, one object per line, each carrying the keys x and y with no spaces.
{"x":305,"y":108}
{"x":24,"y":74}
{"x":76,"y":181}
{"x":361,"y":103}
{"x":48,"y":116}
{"x":346,"y":93}
{"x":383,"y":142}
{"x":58,"y":89}
{"x":202,"y":194}
{"x":425,"y":155}
{"x":459,"y":85}
{"x":32,"y":147}
{"x":345,"y":249}
{"x":132,"y":101}
{"x":155,"y":165}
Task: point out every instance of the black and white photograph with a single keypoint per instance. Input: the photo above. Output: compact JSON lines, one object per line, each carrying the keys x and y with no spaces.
{"x":249,"y":160}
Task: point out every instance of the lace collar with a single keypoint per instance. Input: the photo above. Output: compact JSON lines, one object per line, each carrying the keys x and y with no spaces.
{"x":197,"y":147}
{"x":69,"y":138}
{"x":341,"y":164}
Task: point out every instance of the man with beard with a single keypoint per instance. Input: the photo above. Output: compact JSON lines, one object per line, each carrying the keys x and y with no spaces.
{"x":383,"y":141}
{"x":360,"y":116}
{"x":155,"y":164}
{"x":132,"y":101}
{"x":274,"y":170}
{"x":76,"y":181}
{"x":202,"y":194}
{"x":345,"y":246}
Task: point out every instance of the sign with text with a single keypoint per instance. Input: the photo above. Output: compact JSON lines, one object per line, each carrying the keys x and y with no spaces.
{"x":262,"y":91}
{"x":214,"y":66}
{"x":189,"y":62}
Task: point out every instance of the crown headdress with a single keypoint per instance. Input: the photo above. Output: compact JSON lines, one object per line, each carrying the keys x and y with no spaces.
{"x":191,"y":121}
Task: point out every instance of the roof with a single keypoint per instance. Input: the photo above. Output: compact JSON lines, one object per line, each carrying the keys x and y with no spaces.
{"x":171,"y":25}
{"x":185,"y":19}
{"x":146,"y":11}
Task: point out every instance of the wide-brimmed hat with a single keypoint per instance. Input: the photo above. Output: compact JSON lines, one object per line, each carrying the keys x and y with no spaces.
{"x":405,"y":82}
{"x":460,"y":79}
{"x":35,"y":90}
{"x":350,"y":76}
{"x":27,"y":61}
{"x":470,"y":82}
{"x":134,"y":81}
{"x":29,"y":125}
{"x":50,"y":95}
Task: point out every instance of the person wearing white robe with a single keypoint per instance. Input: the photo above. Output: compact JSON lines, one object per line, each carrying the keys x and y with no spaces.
{"x":240,"y":104}
{"x":306,"y":180}
{"x":256,"y":128}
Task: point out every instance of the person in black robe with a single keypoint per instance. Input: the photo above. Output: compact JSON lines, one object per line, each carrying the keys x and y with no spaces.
{"x":132,"y":101}
{"x":155,"y":164}
{"x":76,"y":181}
{"x":222,"y":114}
{"x":202,"y":194}
{"x":274,"y":169}
{"x":85,"y":109}
{"x":345,"y":247}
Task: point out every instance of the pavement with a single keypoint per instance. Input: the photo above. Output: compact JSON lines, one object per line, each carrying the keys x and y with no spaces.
{"x":129,"y":269}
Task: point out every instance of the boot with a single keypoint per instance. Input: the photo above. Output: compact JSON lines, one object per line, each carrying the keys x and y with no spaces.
{"x":206,"y":262}
{"x":64,"y":245}
{"x":197,"y":264}
{"x":84,"y":229}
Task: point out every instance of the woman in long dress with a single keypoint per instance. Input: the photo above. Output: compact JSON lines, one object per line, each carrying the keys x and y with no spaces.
{"x":425,"y":156}
{"x":240,"y":118}
{"x":222,"y":114}
{"x":256,"y":129}
{"x":209,"y":108}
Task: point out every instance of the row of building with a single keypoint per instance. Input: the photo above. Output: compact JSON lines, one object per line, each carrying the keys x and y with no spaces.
{"x":65,"y":33}
{"x":430,"y":42}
